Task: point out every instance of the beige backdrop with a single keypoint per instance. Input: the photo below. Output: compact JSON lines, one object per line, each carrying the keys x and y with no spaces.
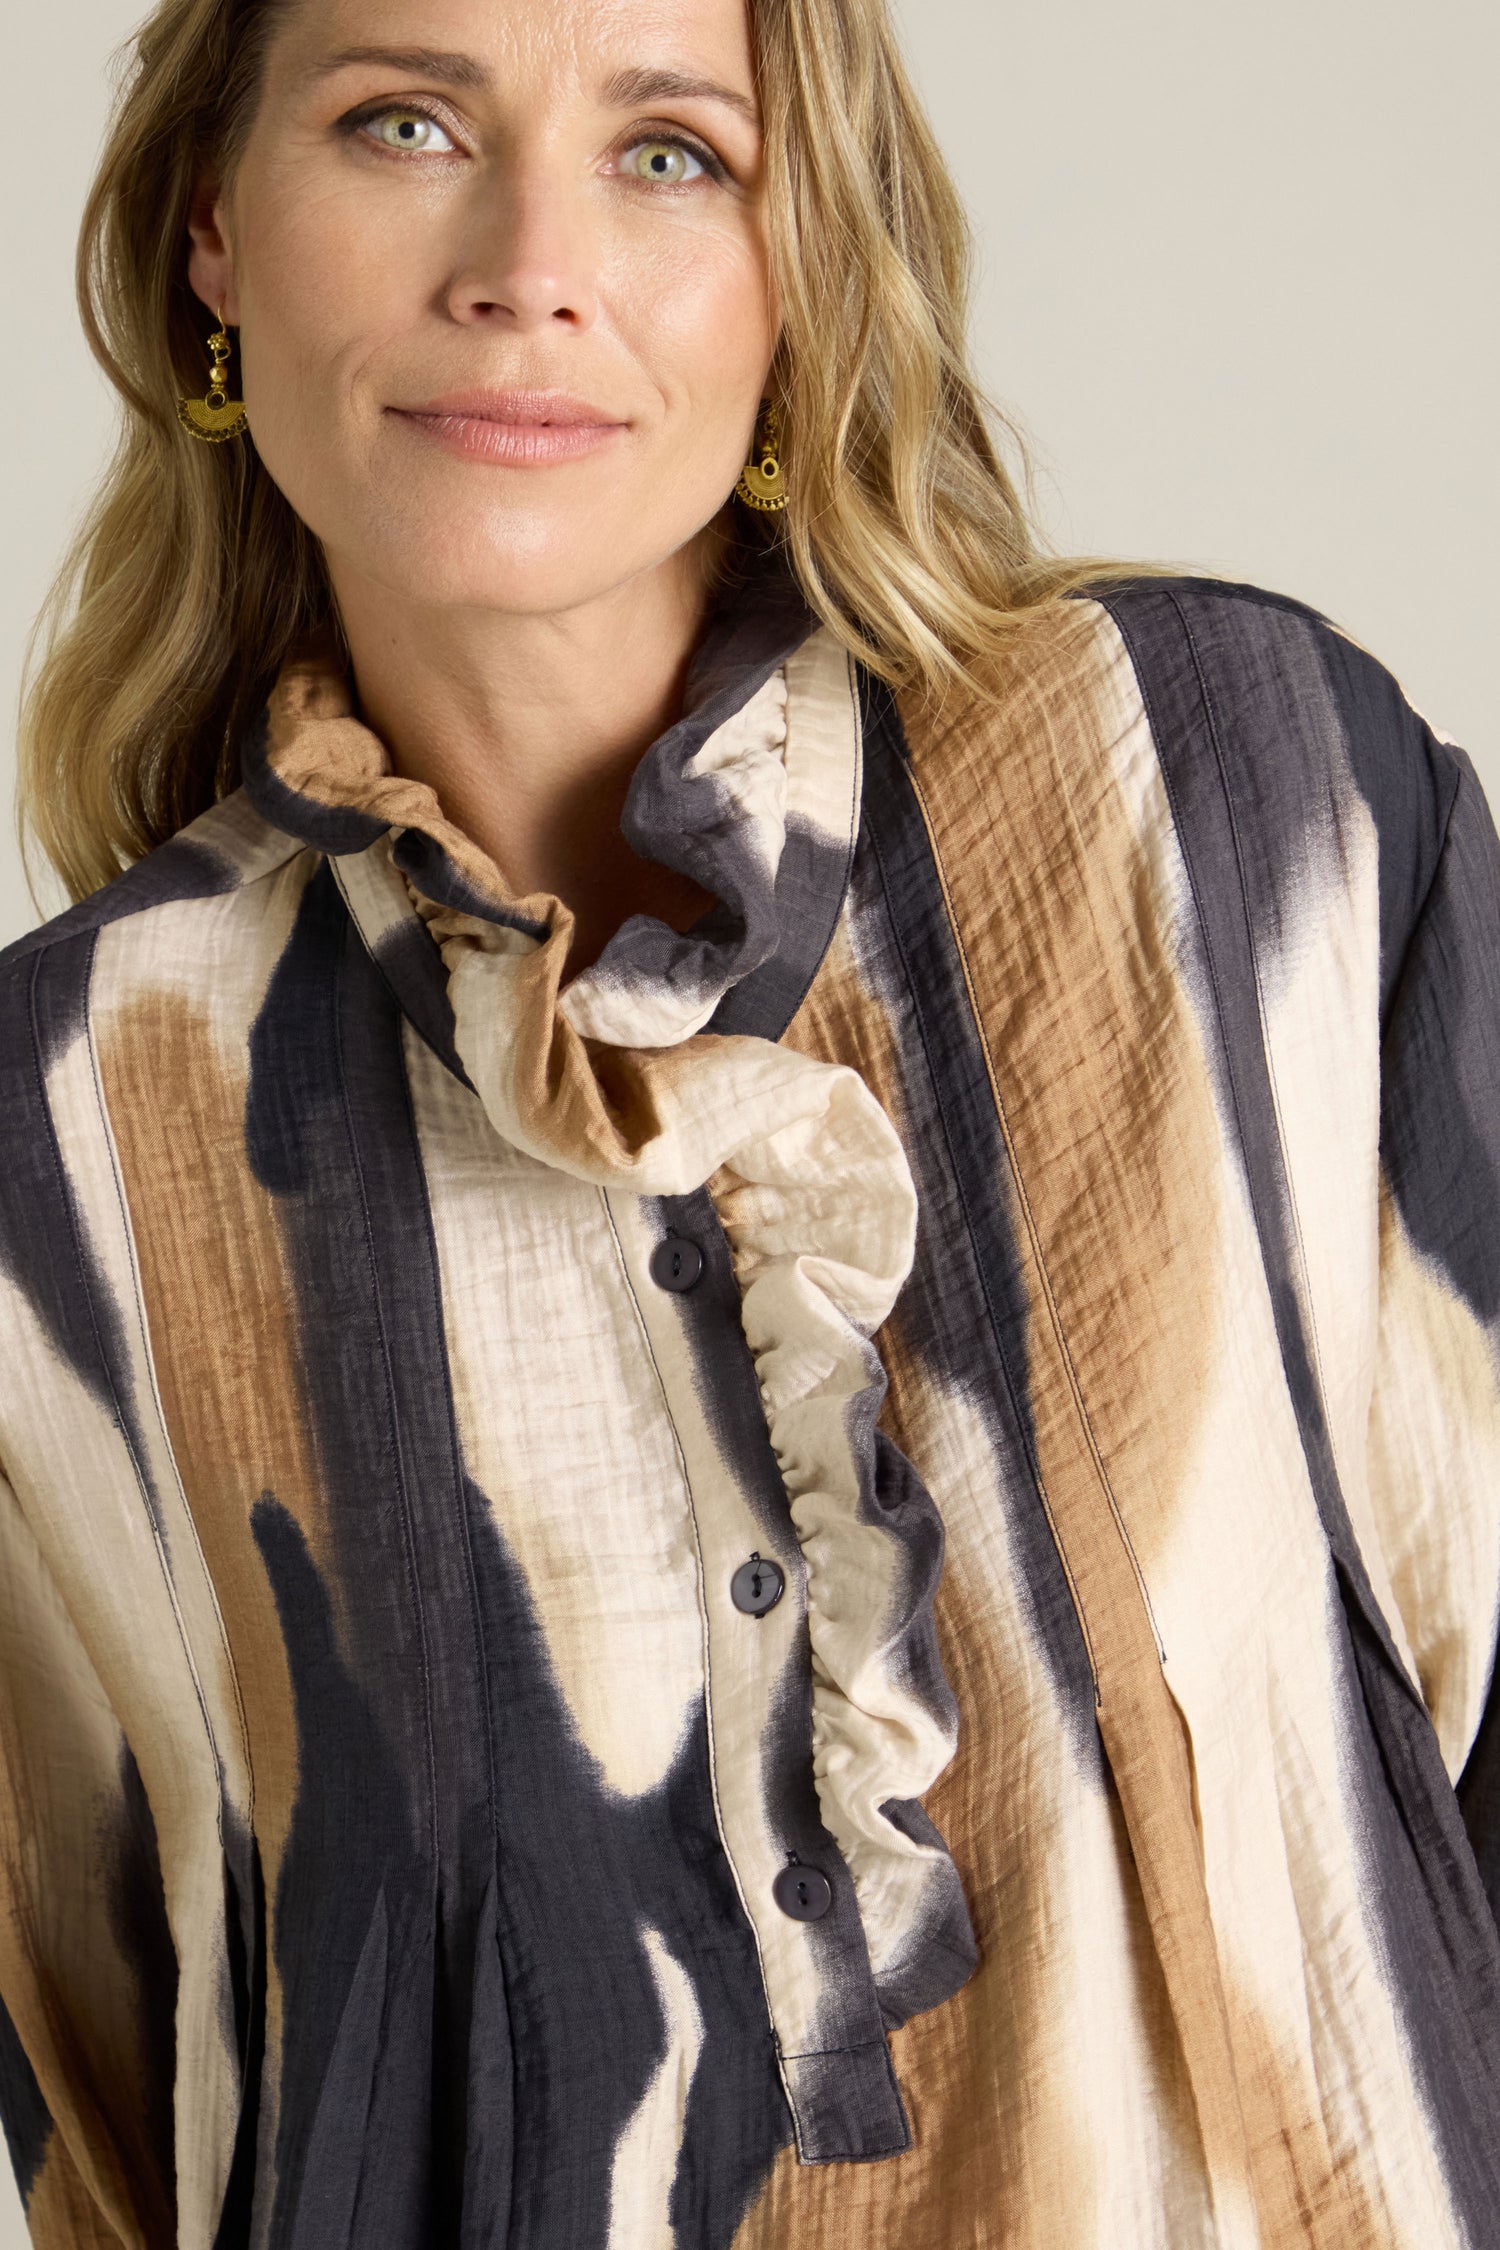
{"x":1238,"y":279}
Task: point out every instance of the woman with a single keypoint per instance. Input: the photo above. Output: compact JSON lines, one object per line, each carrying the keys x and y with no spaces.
{"x":622,"y":910}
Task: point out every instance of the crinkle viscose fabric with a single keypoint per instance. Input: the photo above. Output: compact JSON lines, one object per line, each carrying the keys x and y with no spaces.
{"x":1045,"y":1217}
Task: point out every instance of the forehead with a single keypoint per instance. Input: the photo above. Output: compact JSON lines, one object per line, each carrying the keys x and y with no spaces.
{"x":576,"y":43}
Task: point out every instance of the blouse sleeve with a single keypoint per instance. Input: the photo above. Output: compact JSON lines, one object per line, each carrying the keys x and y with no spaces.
{"x":87,"y":1976}
{"x":1434,"y":1434}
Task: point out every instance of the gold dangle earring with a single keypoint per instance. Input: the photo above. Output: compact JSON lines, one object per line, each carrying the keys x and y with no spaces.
{"x":761,"y":484}
{"x":218,"y":416}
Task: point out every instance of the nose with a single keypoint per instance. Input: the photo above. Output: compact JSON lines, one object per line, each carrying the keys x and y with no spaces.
{"x":530,"y":257}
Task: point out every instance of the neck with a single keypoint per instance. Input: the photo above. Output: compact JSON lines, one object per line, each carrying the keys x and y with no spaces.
{"x":529,"y":728}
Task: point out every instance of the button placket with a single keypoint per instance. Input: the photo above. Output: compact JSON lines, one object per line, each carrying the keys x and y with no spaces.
{"x":814,"y":1962}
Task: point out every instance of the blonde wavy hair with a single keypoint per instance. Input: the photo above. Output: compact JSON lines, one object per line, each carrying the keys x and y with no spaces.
{"x":192,"y":577}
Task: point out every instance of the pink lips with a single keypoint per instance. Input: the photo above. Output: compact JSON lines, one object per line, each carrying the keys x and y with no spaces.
{"x":521,"y":429}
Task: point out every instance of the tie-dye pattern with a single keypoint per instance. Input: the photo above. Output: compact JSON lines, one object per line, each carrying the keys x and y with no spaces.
{"x":1086,"y":1101}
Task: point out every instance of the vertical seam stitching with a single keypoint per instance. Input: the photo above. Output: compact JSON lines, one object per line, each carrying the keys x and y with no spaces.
{"x":393,"y":1429}
{"x":708,"y":1675}
{"x":1021,"y":1420}
{"x":120,"y":1421}
{"x":1210,"y":712}
{"x":1034,"y":1233}
{"x":149,"y":1358}
{"x":455,"y":1450}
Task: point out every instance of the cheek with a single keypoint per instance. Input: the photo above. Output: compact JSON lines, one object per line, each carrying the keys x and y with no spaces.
{"x":322,"y":292}
{"x":694,"y":312}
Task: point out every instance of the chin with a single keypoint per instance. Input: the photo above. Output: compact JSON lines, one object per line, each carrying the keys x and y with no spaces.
{"x":527,"y":562}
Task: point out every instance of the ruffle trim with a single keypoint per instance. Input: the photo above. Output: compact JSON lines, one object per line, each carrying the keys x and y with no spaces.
{"x":708,"y":798}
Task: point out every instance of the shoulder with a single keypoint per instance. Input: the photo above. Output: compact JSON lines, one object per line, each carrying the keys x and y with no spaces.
{"x":1320,"y":758}
{"x":1285,"y":748}
{"x":1262,"y":674}
{"x":221,"y":859}
{"x":138,"y":981}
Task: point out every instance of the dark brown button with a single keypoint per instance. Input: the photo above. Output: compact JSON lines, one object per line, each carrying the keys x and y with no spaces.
{"x":802,"y":1893}
{"x":757,"y":1586}
{"x":676,"y":1264}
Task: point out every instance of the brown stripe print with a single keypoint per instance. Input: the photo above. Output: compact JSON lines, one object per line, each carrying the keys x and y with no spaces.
{"x":62,"y":2215}
{"x":73,"y":1991}
{"x":1101,"y":1082}
{"x":221,"y":1315}
{"x":219,"y":1309}
{"x":1009,"y":2146}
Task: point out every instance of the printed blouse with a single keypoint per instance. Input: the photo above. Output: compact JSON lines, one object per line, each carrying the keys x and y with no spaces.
{"x":830,"y":1587}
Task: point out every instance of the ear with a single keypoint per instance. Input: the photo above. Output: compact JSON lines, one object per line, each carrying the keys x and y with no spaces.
{"x":211,"y":259}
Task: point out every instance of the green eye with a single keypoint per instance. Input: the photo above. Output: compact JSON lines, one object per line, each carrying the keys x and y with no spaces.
{"x":409,"y":129}
{"x":666,"y":162}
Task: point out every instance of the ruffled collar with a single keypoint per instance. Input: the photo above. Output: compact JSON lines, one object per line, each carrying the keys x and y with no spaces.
{"x":753,"y":793}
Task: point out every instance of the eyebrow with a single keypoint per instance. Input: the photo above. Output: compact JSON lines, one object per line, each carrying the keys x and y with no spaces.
{"x":627,"y":89}
{"x":633,"y":89}
{"x":412,"y":62}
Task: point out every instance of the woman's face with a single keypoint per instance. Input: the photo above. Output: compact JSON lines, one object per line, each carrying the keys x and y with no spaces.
{"x":500,"y":273}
